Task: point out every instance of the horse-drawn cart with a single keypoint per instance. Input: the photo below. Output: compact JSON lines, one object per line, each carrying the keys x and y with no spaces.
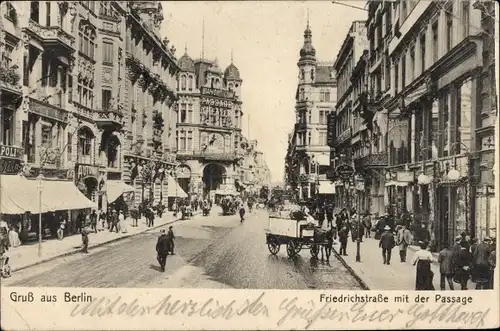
{"x":296,"y":234}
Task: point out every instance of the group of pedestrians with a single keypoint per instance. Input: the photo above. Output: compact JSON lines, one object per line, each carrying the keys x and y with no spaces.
{"x":468,"y":260}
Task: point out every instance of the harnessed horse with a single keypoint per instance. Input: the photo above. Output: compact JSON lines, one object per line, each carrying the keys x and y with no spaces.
{"x":324,"y":239}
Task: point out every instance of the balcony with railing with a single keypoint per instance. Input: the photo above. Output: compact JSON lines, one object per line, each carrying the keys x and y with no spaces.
{"x":52,"y":36}
{"x":10,"y":77}
{"x":207,"y":155}
{"x":344,"y":136}
{"x":372,"y":160}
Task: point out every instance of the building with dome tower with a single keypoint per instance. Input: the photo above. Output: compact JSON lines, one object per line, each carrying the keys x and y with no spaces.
{"x":209,"y":142}
{"x":308,"y":155}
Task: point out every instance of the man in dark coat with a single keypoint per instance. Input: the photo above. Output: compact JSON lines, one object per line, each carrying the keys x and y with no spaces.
{"x":387,"y":243}
{"x":93,"y":221}
{"x":162,"y":248}
{"x":480,"y":263}
{"x":446,"y":267}
{"x":171,"y":238}
{"x":343,"y":236}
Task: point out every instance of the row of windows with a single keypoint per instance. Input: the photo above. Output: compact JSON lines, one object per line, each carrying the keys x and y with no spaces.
{"x":307,"y":140}
{"x":185,"y":83}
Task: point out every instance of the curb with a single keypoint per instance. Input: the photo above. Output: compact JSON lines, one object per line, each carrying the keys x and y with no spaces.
{"x":77,"y":250}
{"x":361,"y":282}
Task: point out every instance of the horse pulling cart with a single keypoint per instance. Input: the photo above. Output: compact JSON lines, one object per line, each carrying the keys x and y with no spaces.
{"x":296,"y":235}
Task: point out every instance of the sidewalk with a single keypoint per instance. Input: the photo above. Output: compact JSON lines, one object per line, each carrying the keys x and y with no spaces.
{"x":26,"y":255}
{"x":378,"y":276}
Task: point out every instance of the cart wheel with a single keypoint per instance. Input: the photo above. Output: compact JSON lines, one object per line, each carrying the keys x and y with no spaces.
{"x":290,"y":249}
{"x":314,"y":251}
{"x":298,"y":247}
{"x":274,"y":246}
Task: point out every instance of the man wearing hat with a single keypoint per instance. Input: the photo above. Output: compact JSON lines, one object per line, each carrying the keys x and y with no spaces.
{"x":387,"y":243}
{"x":93,"y":220}
{"x":162,"y":248}
{"x":480,"y":261}
{"x":455,"y":249}
{"x":171,"y":237}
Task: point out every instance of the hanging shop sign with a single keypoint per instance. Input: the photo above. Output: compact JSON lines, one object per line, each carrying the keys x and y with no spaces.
{"x":217,"y":93}
{"x":344,"y":171}
{"x":405,"y":176}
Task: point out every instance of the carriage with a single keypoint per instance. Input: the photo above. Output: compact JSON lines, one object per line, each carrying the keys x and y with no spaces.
{"x":294,"y":231}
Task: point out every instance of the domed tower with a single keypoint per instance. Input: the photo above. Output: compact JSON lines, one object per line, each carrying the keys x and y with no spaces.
{"x":307,"y":62}
{"x":214,"y":76}
{"x":232,"y":78}
{"x":186,"y":78}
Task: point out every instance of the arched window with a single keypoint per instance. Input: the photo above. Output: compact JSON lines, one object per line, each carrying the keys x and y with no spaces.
{"x":87,"y":35}
{"x":85,"y":142}
{"x":217,"y":83}
{"x":112,"y":152}
{"x":191,"y":81}
{"x":183,"y":82}
{"x":302,"y":74}
{"x":327,"y":96}
{"x":312,"y":74}
{"x":231,"y":87}
{"x":302,"y":94}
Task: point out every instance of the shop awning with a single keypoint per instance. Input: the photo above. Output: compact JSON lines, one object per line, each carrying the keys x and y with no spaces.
{"x":226,"y":192}
{"x":396,"y":183}
{"x":64,"y":195}
{"x":174,"y":189}
{"x":115,"y":188}
{"x":19,"y":195}
{"x":326,"y":187}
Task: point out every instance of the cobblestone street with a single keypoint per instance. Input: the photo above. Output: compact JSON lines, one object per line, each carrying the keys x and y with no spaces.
{"x":211,"y":252}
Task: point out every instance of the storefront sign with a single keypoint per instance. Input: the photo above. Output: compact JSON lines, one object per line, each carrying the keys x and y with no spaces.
{"x":10,"y":166}
{"x":217,"y":93}
{"x":48,"y":111}
{"x":86,"y":170}
{"x":11,"y":152}
{"x":344,"y":171}
{"x":228,"y":104}
{"x":405,"y":176}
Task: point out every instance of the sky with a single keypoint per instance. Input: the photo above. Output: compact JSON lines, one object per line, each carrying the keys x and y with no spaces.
{"x":265,"y":39}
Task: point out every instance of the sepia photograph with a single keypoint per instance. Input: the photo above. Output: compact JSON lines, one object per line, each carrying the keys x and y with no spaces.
{"x":250,"y":145}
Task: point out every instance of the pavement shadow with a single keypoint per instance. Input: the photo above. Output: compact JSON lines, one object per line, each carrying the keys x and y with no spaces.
{"x":155,"y":267}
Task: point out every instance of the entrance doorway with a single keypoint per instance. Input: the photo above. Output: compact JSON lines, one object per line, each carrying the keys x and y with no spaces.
{"x":213,"y":175}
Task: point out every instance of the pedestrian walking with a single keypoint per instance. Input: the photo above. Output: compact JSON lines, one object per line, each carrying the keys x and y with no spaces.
{"x":424,"y":275}
{"x":171,"y":238}
{"x":343,"y":237}
{"x":93,"y":221}
{"x":329,"y":215}
{"x":403,"y":241}
{"x":151,"y":217}
{"x":162,"y":250}
{"x":446,"y":268}
{"x":481,"y":264}
{"x":62,"y":226}
{"x":114,"y":221}
{"x":463,"y":265}
{"x":242,"y":212}
{"x":102,"y":219}
{"x":85,"y":239}
{"x":367,"y":223}
{"x":121,"y":222}
{"x":387,"y":243}
{"x":321,"y":216}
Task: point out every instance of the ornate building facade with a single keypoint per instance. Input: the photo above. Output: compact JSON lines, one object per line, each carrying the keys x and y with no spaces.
{"x":209,"y":142}
{"x":308,"y":155}
{"x":149,"y":97}
{"x":68,"y":82}
{"x":429,"y":103}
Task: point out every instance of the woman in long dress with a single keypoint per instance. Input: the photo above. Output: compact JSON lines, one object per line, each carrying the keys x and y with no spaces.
{"x":423,"y":259}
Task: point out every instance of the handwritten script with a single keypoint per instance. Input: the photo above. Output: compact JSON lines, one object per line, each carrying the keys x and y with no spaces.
{"x":289,"y":309}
